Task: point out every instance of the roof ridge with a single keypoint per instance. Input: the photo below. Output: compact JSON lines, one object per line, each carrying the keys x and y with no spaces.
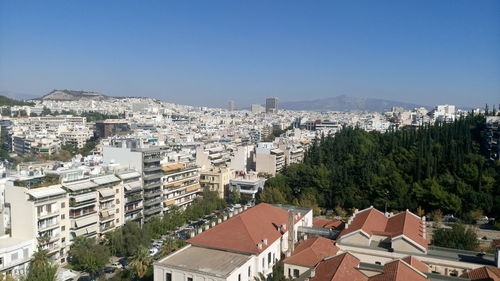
{"x":411,"y":267}
{"x":246,"y":229}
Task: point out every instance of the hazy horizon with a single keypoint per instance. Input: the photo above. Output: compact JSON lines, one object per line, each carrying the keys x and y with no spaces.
{"x":209,"y":52}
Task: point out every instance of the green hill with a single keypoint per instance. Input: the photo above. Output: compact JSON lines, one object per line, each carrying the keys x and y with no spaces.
{"x":11,"y":102}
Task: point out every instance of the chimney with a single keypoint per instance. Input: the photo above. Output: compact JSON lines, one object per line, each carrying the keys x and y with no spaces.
{"x":291,"y":233}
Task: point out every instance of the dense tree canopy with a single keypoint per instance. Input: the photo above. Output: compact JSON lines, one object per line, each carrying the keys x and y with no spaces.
{"x":458,"y":237}
{"x":435,"y":167}
{"x":87,"y":255}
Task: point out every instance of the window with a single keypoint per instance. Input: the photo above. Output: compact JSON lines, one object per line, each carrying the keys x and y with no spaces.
{"x":190,"y":279}
{"x":116,"y":190}
{"x":1,"y":261}
{"x":117,"y":201}
{"x":269,"y":258}
{"x":168,"y":276}
{"x":14,"y":257}
{"x":25,"y":253}
{"x":289,"y":272}
{"x":296,"y":273}
{"x":63,"y":228}
{"x":239,"y":277}
{"x":63,"y":204}
{"x":249,"y":271}
{"x":63,"y":216}
{"x":263,"y":263}
{"x":377,"y":262}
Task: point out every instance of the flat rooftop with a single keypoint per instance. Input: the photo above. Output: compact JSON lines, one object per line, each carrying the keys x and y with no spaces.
{"x":207,"y":261}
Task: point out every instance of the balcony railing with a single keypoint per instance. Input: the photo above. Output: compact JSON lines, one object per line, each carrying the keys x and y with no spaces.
{"x":43,"y":215}
{"x":133,"y":198}
{"x":47,"y":226}
{"x":150,"y":185}
{"x":153,"y":193}
{"x":153,"y":210}
{"x":152,"y":176}
{"x":153,"y":201}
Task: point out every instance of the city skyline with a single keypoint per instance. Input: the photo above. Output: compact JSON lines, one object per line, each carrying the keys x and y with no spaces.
{"x":202,"y":53}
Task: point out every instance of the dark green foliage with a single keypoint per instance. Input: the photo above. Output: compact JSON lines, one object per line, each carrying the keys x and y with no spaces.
{"x":436,"y":167}
{"x":11,"y":102}
{"x":458,"y":237}
{"x":87,"y":255}
{"x":40,"y":268}
{"x":126,"y":240}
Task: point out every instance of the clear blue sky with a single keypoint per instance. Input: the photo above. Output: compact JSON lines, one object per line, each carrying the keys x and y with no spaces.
{"x":208,"y":52}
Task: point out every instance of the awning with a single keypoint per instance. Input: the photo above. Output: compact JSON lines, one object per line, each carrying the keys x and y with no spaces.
{"x":129,"y":175}
{"x":77,"y":186}
{"x":133,"y":185}
{"x":107,"y":192}
{"x":47,"y":193}
{"x":85,"y":197}
{"x":86,"y":221}
{"x":105,"y":179}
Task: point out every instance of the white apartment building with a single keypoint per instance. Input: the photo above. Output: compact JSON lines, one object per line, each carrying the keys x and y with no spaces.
{"x":41,"y":212}
{"x":132,"y":196}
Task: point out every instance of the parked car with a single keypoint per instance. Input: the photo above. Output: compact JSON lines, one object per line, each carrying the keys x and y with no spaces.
{"x":153,"y":251}
{"x":109,"y":269}
{"x":123,"y":262}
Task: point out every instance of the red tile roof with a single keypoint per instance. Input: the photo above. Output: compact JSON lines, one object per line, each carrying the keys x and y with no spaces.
{"x":311,"y":251}
{"x":373,"y":222}
{"x":342,"y":267}
{"x":246,"y":230}
{"x":420,"y":266}
{"x":399,"y":271}
{"x":483,"y":274}
{"x":324,"y":223}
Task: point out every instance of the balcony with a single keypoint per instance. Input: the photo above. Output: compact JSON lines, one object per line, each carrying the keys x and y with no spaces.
{"x":153,"y":193}
{"x":152,"y":176}
{"x":153,"y":211}
{"x":152,"y":159}
{"x":48,"y":226}
{"x":107,"y":207}
{"x":81,"y":215}
{"x":132,"y":210}
{"x":107,"y":218}
{"x":44,"y":215}
{"x":133,"y":198}
{"x":152,"y":201}
{"x":150,"y":185}
{"x":151,"y":168}
{"x":106,"y":228}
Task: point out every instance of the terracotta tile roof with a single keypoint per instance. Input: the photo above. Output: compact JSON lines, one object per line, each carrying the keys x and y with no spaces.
{"x":342,"y":267}
{"x":246,"y":230}
{"x":373,"y":222}
{"x":311,"y":251}
{"x":399,"y":271}
{"x":483,"y":274}
{"x":333,"y":224}
{"x":420,"y":266}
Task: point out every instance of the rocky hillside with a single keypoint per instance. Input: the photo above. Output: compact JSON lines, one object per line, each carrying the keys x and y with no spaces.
{"x":69,"y":95}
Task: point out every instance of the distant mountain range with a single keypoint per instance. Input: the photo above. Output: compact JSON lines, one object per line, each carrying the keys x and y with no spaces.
{"x":346,"y":103}
{"x":70,"y":95}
